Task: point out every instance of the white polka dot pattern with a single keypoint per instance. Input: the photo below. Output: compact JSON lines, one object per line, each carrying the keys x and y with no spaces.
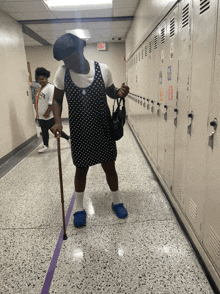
{"x":91,"y":142}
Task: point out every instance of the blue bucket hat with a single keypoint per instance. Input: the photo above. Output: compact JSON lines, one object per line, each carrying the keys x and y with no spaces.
{"x":66,"y":45}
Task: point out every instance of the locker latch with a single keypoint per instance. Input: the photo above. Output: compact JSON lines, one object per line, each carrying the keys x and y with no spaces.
{"x":175,"y":119}
{"x":152,"y":108}
{"x":165,"y":114}
{"x":158,"y":110}
{"x":214,"y":124}
{"x":148,"y":106}
{"x":191,"y":115}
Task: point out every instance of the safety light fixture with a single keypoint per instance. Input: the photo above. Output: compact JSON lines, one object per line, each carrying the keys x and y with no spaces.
{"x":67,"y":5}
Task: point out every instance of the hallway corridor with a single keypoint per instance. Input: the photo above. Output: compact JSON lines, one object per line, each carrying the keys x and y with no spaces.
{"x":147,"y":252}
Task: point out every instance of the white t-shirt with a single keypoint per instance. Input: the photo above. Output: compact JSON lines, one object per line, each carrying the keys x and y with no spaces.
{"x":82,"y":80}
{"x":45,"y":99}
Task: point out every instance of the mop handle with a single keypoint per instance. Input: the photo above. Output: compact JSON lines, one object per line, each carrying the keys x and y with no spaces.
{"x":61,"y":186}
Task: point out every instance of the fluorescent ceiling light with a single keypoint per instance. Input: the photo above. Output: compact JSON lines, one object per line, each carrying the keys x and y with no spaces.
{"x":67,"y":5}
{"x":82,"y":34}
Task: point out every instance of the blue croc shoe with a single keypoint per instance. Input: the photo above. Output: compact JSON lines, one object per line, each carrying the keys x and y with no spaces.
{"x":79,"y":218}
{"x":120,"y":211}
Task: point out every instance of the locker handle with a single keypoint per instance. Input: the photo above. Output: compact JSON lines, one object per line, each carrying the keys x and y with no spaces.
{"x":158,"y":104}
{"x":148,"y":99}
{"x":152,"y":101}
{"x":214,"y":123}
{"x":191,"y":115}
{"x":165,"y":106}
{"x":176,"y":110}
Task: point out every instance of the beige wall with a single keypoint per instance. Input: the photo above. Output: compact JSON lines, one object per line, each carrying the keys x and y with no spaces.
{"x":42,"y":56}
{"x":16,"y":111}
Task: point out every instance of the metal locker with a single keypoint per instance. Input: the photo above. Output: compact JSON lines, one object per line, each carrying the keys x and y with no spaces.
{"x":211,"y":211}
{"x":160,"y":94}
{"x":182,"y":107}
{"x":145,"y":86}
{"x":170,"y":86}
{"x":204,"y":34}
{"x":152,"y":96}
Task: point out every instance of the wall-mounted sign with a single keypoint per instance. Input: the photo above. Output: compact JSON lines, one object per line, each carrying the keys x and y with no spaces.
{"x":101,"y":46}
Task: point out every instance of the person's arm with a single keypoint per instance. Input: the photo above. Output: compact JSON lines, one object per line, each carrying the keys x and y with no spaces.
{"x":115,"y":93}
{"x":57,"y":104}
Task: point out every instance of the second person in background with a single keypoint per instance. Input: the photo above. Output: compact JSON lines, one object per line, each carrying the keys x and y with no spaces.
{"x":44,"y":101}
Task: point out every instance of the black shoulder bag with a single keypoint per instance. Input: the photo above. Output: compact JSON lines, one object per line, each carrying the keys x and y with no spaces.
{"x":118,"y":120}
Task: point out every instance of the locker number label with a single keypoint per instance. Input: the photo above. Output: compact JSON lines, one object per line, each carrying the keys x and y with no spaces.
{"x":171,"y":51}
{"x":169,"y":73}
{"x":161,"y":94}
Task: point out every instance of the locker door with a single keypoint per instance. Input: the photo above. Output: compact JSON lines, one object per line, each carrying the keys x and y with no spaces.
{"x":152,"y":115}
{"x":170,"y":84}
{"x":184,"y":52}
{"x":141,"y":93}
{"x":211,"y":222}
{"x":138,"y":86}
{"x":161,"y":98}
{"x":149,"y":69}
{"x":146,"y":84}
{"x":204,"y":30}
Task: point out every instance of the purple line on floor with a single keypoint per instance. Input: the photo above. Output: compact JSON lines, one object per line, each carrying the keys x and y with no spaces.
{"x":53,"y":263}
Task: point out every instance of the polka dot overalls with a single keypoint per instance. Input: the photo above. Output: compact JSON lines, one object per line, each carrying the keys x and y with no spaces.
{"x":89,"y":114}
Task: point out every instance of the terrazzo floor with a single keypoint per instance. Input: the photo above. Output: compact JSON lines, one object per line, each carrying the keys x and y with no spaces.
{"x":145,"y":253}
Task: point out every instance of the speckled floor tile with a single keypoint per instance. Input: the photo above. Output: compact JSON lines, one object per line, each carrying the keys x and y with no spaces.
{"x":139,"y":257}
{"x":25,"y":258}
{"x":147,"y":252}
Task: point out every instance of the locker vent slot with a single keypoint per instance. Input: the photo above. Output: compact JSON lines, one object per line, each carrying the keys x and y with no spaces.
{"x":185,"y":16}
{"x":155,"y":42}
{"x":145,"y":50}
{"x":204,"y":5}
{"x":142,"y":53}
{"x":150,"y":47}
{"x":172,"y":27}
{"x":163,"y":36}
{"x":192,"y":210}
{"x":214,"y":242}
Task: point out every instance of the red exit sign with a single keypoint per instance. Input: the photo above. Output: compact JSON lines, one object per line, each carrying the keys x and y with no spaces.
{"x":101,"y":46}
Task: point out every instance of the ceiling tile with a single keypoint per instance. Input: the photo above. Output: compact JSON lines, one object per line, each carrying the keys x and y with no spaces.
{"x":48,"y":27}
{"x":125,"y":3}
{"x":123,"y":12}
{"x":7,"y":7}
{"x":22,"y":7}
{"x":38,"y":15}
{"x":16,"y":15}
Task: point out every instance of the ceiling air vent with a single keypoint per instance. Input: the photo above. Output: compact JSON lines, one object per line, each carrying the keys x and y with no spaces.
{"x":150,"y":47}
{"x":155,"y":42}
{"x":204,"y":5}
{"x":163,"y":36}
{"x":185,"y":16}
{"x":172,"y":27}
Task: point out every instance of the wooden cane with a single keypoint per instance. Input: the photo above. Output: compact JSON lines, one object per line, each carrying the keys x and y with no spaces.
{"x":61,"y":186}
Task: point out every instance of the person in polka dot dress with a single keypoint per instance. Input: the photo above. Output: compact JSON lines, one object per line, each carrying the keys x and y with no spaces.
{"x":86,"y":84}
